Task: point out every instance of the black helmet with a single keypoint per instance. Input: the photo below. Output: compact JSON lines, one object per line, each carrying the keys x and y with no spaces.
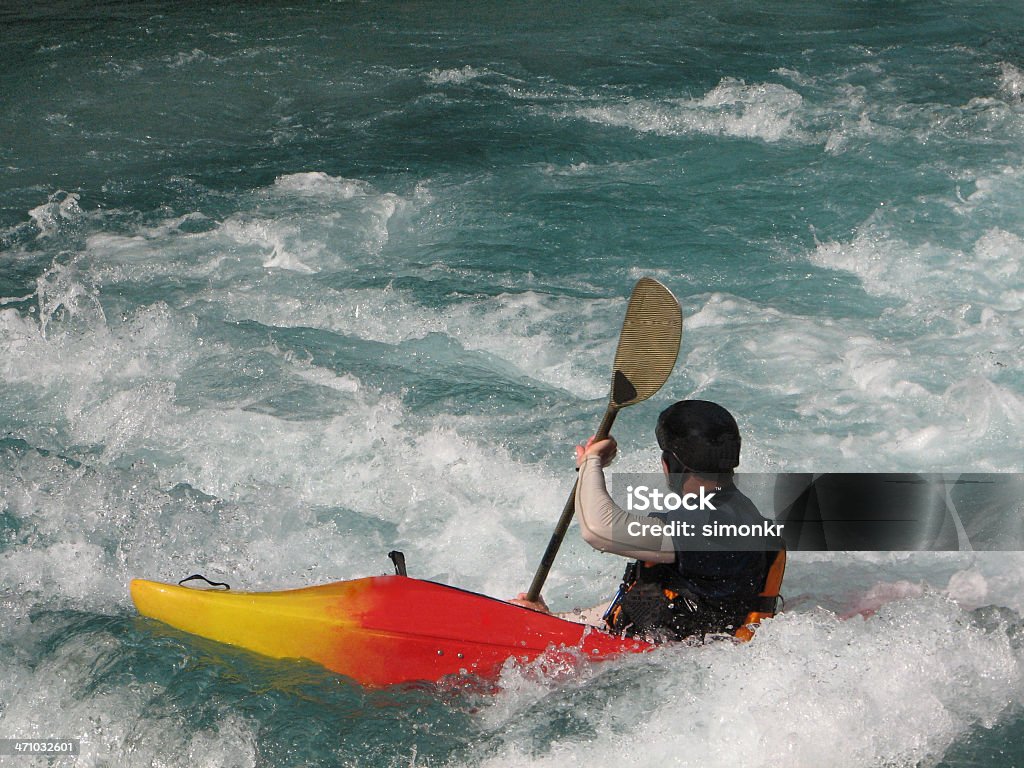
{"x":700,"y":434}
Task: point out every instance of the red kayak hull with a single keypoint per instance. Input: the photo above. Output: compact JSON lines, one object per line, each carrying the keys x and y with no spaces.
{"x":380,"y":630}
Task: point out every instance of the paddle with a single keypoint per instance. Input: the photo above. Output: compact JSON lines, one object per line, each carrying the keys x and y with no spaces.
{"x":647,"y":352}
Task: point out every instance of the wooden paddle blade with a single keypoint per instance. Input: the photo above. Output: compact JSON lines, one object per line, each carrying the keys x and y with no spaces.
{"x":648,"y":345}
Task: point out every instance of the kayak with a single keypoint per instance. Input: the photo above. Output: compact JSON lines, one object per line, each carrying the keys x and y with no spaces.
{"x":379,"y":630}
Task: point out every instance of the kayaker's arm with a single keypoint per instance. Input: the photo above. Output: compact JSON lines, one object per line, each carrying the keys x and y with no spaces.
{"x":603,"y":523}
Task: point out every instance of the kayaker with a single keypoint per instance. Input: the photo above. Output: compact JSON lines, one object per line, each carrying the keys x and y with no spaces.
{"x":682,"y":584}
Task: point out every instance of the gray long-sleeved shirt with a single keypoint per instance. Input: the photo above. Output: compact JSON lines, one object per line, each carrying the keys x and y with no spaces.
{"x":604,"y":523}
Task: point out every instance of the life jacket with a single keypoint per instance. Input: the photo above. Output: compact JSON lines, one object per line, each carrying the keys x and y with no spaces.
{"x":768,"y":599}
{"x":662,"y":605}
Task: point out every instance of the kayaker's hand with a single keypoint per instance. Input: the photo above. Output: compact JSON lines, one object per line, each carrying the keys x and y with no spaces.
{"x":605,"y":449}
{"x":539,"y":605}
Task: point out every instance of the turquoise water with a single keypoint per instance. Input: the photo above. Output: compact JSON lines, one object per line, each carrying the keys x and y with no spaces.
{"x":285,"y":287}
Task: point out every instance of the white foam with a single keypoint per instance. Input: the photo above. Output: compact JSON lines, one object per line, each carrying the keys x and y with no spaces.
{"x":547,"y":338}
{"x":303,"y":223}
{"x":881,"y":593}
{"x":273,"y":236}
{"x":889,"y":266}
{"x":67,"y":572}
{"x":414,"y":486}
{"x":887,"y":394}
{"x":869,"y":256}
{"x":455,"y":76}
{"x":89,"y":378}
{"x":1011,"y":81}
{"x":60,"y":690}
{"x":898,"y":689}
{"x":61,"y":210}
{"x":185,"y":58}
{"x":65,"y":296}
{"x":765,"y":111}
{"x":904,"y":402}
{"x":319,"y":184}
{"x":115,"y":389}
{"x":1002,"y":255}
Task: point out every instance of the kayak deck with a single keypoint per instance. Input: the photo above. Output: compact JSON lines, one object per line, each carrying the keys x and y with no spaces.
{"x":379,"y":630}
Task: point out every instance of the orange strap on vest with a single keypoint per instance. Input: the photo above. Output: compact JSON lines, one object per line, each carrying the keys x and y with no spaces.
{"x":772,"y":587}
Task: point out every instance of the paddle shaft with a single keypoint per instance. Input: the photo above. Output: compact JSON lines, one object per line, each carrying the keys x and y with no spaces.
{"x":567,"y":512}
{"x":647,"y":352}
